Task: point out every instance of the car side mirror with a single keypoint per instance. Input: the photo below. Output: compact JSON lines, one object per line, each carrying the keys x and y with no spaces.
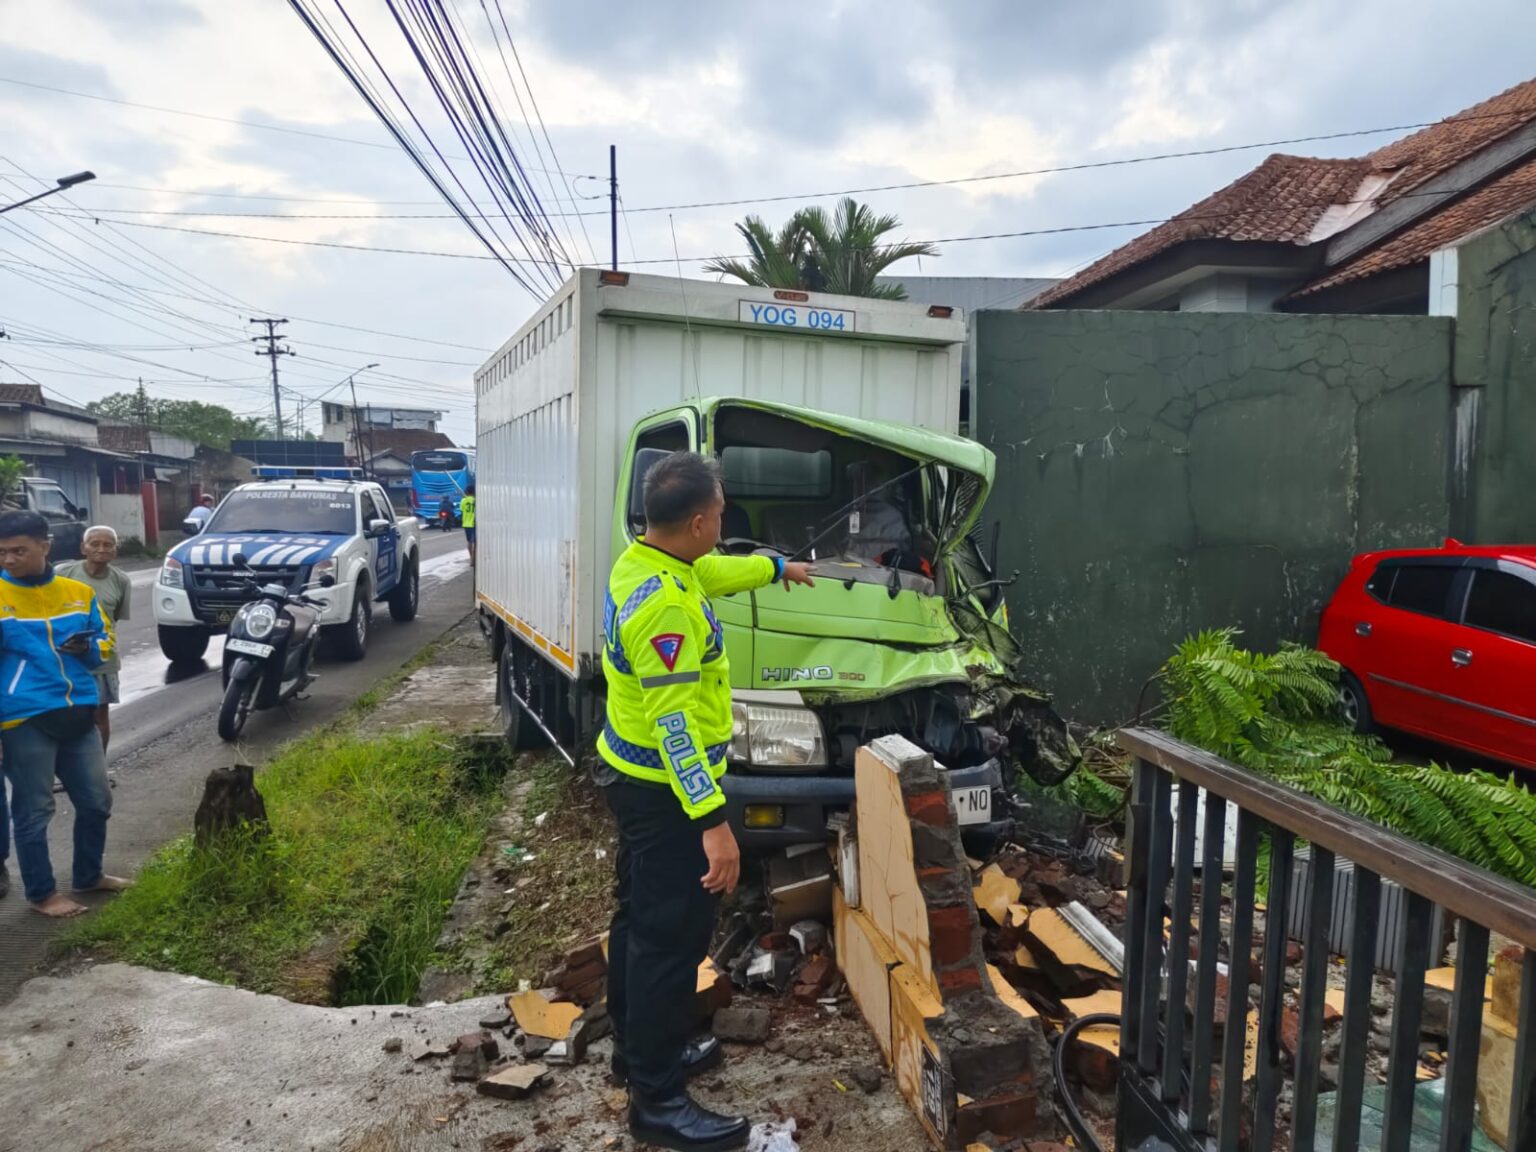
{"x":378,"y":527}
{"x":82,"y":513}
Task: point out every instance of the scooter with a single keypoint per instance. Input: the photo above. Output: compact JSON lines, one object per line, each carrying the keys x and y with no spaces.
{"x":269,"y":655}
{"x":445,"y":521}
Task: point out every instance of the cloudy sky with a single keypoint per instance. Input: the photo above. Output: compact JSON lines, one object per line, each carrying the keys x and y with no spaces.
{"x":705,"y":101}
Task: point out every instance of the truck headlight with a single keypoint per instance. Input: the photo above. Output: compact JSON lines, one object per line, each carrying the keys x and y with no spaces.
{"x":171,"y":574}
{"x":776,"y":736}
{"x":322,"y":569}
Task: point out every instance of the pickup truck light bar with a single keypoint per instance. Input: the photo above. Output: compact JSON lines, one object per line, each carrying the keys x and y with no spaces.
{"x":286,"y":472}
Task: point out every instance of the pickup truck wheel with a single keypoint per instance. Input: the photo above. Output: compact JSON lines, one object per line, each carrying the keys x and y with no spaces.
{"x":182,"y":645}
{"x":407,"y":593}
{"x":350,"y":640}
{"x":517,"y":727}
{"x":1354,"y":708}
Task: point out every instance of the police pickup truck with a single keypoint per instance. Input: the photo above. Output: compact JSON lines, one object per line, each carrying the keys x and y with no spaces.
{"x":294,"y":526}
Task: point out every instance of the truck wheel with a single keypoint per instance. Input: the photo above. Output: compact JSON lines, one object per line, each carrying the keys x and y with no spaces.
{"x":182,"y":645}
{"x":407,"y":594}
{"x":517,"y":727}
{"x":235,"y":708}
{"x":350,"y":640}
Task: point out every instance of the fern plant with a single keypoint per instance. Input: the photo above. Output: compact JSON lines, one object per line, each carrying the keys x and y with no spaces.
{"x":1275,"y":713}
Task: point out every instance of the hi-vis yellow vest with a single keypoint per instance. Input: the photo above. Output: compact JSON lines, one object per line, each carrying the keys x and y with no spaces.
{"x":467,"y":511}
{"x":669,"y":682}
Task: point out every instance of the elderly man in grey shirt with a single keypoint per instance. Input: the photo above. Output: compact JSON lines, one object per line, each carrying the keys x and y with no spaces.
{"x":114,"y":593}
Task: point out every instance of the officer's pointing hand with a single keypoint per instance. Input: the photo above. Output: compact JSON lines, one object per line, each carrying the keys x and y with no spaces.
{"x":797,"y":572}
{"x":724,"y":859}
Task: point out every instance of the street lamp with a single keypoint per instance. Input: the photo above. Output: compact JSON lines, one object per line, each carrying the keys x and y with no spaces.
{"x":60,"y":185}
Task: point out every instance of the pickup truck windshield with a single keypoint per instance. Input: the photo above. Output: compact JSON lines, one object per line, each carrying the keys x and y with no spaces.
{"x":298,"y":510}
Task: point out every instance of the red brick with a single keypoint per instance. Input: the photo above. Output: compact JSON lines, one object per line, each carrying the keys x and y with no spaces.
{"x":1094,"y":1066}
{"x":930,"y":808}
{"x":960,"y":979}
{"x":950,"y":935}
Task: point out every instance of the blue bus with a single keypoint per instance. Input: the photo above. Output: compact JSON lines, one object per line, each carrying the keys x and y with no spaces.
{"x":439,"y":472}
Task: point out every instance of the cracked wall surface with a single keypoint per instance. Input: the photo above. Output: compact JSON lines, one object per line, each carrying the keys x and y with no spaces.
{"x":1494,"y":453}
{"x":1167,"y":472}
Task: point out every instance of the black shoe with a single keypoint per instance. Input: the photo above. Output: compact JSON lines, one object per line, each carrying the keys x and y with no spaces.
{"x":698,"y":1056}
{"x":681,"y":1124}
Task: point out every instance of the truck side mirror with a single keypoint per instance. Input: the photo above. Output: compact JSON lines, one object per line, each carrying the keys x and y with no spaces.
{"x":645,"y":460}
{"x":378,"y":527}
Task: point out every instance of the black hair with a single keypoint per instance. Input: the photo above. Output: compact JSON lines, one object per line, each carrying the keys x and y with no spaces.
{"x":469,"y":490}
{"x":23,"y":524}
{"x":679,"y":487}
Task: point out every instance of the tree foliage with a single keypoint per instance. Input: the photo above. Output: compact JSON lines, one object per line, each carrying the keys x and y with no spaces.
{"x":1276,"y":713}
{"x":208,"y":424}
{"x":815,"y":251}
{"x":12,"y":469}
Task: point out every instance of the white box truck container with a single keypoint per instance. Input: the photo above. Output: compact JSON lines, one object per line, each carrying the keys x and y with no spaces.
{"x":799,"y":395}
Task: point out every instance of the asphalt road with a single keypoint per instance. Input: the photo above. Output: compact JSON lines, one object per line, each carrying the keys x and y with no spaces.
{"x":164,"y":743}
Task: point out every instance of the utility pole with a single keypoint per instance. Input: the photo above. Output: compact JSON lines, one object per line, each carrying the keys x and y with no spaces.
{"x":272,"y":352}
{"x":357,"y":431}
{"x":613,"y":204}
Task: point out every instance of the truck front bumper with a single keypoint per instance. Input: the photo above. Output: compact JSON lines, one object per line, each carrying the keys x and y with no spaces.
{"x":808,"y":801}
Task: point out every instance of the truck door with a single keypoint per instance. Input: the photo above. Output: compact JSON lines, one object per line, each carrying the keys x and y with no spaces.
{"x":383,"y":543}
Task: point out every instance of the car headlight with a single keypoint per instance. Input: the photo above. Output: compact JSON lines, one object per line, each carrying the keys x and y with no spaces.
{"x":171,"y":574}
{"x":323,"y":568}
{"x":260,"y":621}
{"x":776,"y":736}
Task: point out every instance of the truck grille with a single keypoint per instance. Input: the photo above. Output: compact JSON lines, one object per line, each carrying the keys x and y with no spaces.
{"x":219,"y":589}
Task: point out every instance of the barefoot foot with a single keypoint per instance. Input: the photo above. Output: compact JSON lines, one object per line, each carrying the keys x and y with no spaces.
{"x":58,"y":907}
{"x":108,"y":884}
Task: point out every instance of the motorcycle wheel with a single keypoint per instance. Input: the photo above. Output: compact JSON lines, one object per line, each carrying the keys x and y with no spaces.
{"x":235,"y":707}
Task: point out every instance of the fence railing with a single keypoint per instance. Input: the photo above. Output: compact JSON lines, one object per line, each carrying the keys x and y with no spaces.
{"x":1168,"y":1092}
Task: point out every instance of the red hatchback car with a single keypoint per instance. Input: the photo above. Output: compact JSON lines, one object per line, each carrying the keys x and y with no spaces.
{"x":1440,"y":643}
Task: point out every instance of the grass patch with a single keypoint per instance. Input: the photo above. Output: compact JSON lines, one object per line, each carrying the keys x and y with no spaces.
{"x":565,"y":894}
{"x":342,"y":900}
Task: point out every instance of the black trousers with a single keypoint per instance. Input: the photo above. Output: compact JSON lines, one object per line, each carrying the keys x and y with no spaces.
{"x":659,"y":936}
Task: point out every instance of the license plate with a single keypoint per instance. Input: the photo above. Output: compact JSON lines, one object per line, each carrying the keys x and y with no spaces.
{"x":251,"y":648}
{"x":973,"y":805}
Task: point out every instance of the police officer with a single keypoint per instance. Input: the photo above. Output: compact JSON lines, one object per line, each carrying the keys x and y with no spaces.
{"x":663,"y":753}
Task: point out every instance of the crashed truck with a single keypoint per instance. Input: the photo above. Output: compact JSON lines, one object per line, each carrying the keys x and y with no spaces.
{"x":833,"y":421}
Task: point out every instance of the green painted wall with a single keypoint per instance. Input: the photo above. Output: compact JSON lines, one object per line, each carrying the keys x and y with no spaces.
{"x":1163,"y":472}
{"x":1494,"y":429}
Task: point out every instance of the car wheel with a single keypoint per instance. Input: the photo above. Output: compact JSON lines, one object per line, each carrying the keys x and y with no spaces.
{"x":406,"y":596}
{"x":350,"y":640}
{"x":1354,"y":707}
{"x":182,"y":645}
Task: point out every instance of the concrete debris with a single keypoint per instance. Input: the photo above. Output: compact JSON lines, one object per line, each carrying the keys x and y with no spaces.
{"x":583,"y":976}
{"x":496,"y":1020}
{"x":469,"y":1064}
{"x":810,"y":935}
{"x":867,"y":1077}
{"x":473,"y":1040}
{"x":742,"y":1025}
{"x":534,"y":1047}
{"x":513,"y":1082}
{"x":421,"y":1052}
{"x":394,"y":1044}
{"x":537,"y":1015}
{"x":800,"y":888}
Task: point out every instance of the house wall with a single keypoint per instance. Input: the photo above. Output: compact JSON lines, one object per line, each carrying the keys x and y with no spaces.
{"x":1494,"y":450}
{"x":1163,"y":472}
{"x":124,"y":513}
{"x":57,"y":426}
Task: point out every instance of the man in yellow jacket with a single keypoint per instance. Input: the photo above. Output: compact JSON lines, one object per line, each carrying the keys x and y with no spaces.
{"x":467,"y":518}
{"x":663,"y":752}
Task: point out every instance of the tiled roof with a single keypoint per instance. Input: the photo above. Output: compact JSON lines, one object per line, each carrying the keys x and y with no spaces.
{"x":1280,"y":201}
{"x":1512,"y":192}
{"x":1283,"y":197}
{"x":21,"y":394}
{"x":403,"y":441}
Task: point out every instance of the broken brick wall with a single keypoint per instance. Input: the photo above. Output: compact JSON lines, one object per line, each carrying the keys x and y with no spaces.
{"x":968,"y":1060}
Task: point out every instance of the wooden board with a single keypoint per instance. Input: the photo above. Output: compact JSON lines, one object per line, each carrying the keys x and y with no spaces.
{"x":888,"y":890}
{"x":1050,"y":930}
{"x":865,"y":959}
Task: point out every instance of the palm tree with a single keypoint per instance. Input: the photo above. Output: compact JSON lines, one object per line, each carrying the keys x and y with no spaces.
{"x":817,"y":252}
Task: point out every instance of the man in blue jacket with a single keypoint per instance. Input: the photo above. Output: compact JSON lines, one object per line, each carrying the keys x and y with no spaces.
{"x":52,"y":634}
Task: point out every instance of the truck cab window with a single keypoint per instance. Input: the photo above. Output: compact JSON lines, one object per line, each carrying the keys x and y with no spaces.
{"x":650,"y":445}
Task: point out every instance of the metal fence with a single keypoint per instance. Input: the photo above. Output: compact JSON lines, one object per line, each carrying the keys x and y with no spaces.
{"x":1168,"y":1095}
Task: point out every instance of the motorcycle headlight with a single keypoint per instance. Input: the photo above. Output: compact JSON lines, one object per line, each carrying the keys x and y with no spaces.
{"x":260,"y":621}
{"x":776,"y":736}
{"x":171,"y":574}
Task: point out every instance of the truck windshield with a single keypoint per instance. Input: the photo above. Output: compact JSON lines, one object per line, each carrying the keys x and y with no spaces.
{"x":303,"y":511}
